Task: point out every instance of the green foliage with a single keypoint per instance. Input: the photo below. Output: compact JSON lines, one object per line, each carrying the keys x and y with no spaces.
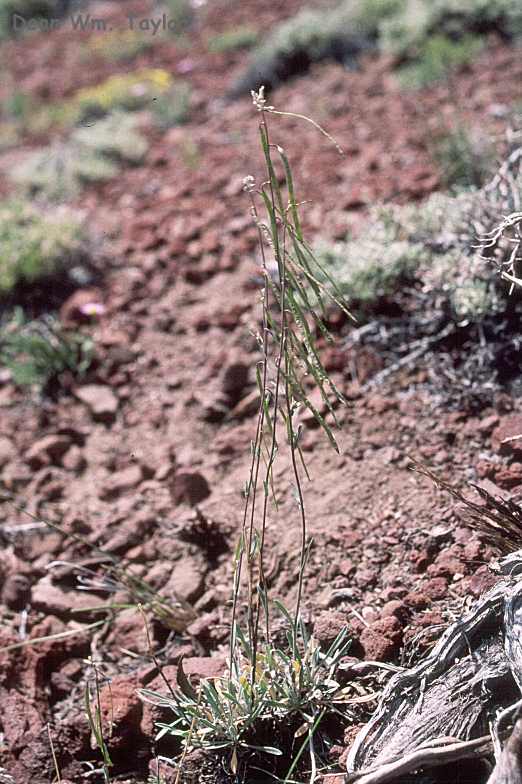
{"x":92,"y":154}
{"x":119,"y":45}
{"x":34,"y":245}
{"x":235,"y":38}
{"x":119,"y":93}
{"x":172,"y":108}
{"x":287,"y":689}
{"x":341,"y":33}
{"x":373,"y":266}
{"x":407,"y":32}
{"x":128,"y":91}
{"x":18,"y":105}
{"x":114,"y":136}
{"x":433,"y":36}
{"x":437,"y":57}
{"x":464,"y":158}
{"x":38,"y":352}
{"x":428,"y":246}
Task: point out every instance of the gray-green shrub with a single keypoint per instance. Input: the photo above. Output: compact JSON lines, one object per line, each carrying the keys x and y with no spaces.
{"x":429,"y":246}
{"x":434,"y":34}
{"x":34,"y":244}
{"x":91,"y":154}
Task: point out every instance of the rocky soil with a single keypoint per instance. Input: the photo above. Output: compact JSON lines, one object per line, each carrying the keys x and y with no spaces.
{"x":146,"y":457}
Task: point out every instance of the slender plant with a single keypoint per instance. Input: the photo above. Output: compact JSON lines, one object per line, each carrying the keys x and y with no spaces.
{"x":294,"y":311}
{"x":294,"y":685}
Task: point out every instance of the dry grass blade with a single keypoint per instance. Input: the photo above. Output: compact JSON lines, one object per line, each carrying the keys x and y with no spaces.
{"x":497,"y":520}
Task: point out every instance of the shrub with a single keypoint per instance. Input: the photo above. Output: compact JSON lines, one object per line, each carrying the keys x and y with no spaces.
{"x":312,"y":35}
{"x":114,"y":136}
{"x":35,"y":245}
{"x":235,"y":38}
{"x":406,"y":33}
{"x":437,"y":57}
{"x":464,"y":157}
{"x":373,"y":266}
{"x":128,"y":91}
{"x":38,"y":352}
{"x":92,"y":154}
{"x":172,"y":108}
{"x":427,"y":246}
{"x":436,"y":35}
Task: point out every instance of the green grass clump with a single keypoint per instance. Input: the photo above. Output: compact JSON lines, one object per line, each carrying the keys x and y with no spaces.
{"x":38,"y":352}
{"x":464,"y":158}
{"x":437,"y":57}
{"x":58,"y":173}
{"x":91,"y":154}
{"x":173,"y":107}
{"x":34,"y":245}
{"x":235,"y":38}
{"x":293,"y":688}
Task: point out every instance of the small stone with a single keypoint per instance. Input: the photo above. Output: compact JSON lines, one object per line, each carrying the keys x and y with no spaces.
{"x":235,"y":379}
{"x":190,"y":487}
{"x":74,"y":460}
{"x":485,"y":426}
{"x":64,"y":679}
{"x":128,"y":631}
{"x":122,"y":710}
{"x":397,"y":609}
{"x":203,"y":626}
{"x":509,"y":477}
{"x":200,"y":667}
{"x":376,"y":646}
{"x":16,"y":592}
{"x":100,"y":400}
{"x":186,"y":581}
{"x":436,"y":588}
{"x":121,"y":482}
{"x":482,"y":581}
{"x":48,"y":450}
{"x":7,"y":451}
{"x":327,"y":626}
{"x":505,"y":438}
{"x":416,"y":600}
{"x":130,"y":532}
{"x":54,"y":600}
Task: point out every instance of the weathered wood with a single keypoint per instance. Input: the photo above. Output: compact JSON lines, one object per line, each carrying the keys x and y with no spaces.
{"x":445,"y":708}
{"x":508,"y":769}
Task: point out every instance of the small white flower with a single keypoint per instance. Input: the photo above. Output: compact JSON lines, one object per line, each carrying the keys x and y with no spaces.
{"x":259,"y":100}
{"x":249,"y":183}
